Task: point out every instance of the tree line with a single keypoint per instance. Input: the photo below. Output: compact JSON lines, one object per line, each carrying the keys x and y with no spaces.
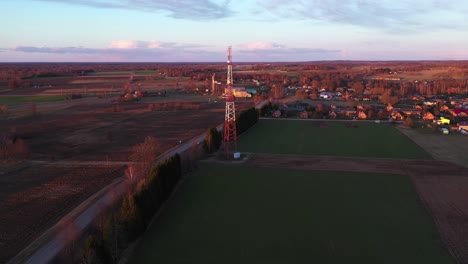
{"x":150,"y":187}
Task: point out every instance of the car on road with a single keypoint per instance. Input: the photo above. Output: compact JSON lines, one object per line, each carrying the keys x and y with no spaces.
{"x":444,"y":130}
{"x":442,"y":121}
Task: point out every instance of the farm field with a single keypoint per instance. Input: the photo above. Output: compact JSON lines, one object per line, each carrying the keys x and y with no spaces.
{"x":432,"y":74}
{"x":336,"y":189}
{"x":452,"y":147}
{"x":12,"y":99}
{"x":280,"y":205}
{"x":33,"y":198}
{"x":352,"y":139}
{"x":246,"y":214}
{"x":76,"y":150}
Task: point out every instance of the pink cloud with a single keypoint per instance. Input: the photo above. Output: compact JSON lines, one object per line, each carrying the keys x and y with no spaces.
{"x":137,"y":44}
{"x":260,"y":45}
{"x":123,"y":44}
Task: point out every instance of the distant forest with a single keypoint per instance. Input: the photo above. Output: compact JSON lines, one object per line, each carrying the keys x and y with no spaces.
{"x":396,"y":78}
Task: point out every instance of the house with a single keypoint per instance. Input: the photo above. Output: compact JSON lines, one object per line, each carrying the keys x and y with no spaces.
{"x":340,"y":89}
{"x":430,"y":103}
{"x":463,"y":125}
{"x":348,"y":112}
{"x":276,"y":114}
{"x":396,"y":115}
{"x":411,"y":112}
{"x":389,"y":108}
{"x":460,"y":111}
{"x":362,"y":115}
{"x":428,"y":116}
{"x":444,"y":108}
{"x":325,"y":95}
{"x":241,"y":92}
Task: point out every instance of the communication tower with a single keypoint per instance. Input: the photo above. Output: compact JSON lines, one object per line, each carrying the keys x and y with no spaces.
{"x":230,"y":134}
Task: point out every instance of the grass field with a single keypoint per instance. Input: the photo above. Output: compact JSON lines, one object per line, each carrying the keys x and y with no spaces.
{"x":237,"y":214}
{"x":302,"y":137}
{"x":9,"y":100}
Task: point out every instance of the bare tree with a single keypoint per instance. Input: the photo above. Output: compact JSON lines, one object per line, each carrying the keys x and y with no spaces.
{"x":3,"y":109}
{"x":278,"y":91}
{"x":144,"y":155}
{"x":132,"y":174}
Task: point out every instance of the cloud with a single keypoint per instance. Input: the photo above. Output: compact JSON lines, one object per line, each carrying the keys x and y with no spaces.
{"x":156,"y":51}
{"x":115,"y":46}
{"x":132,"y":44}
{"x":390,"y":15}
{"x":183,"y":9}
{"x":61,"y":50}
{"x":132,"y":50}
{"x":276,"y":48}
{"x":272,"y":51}
{"x":260,"y":45}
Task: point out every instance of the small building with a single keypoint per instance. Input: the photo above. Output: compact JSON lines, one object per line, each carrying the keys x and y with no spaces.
{"x":325,"y":95}
{"x":411,"y":112}
{"x":389,"y":108}
{"x":340,"y":89}
{"x":460,"y":112}
{"x":362,"y":115}
{"x":444,"y":108}
{"x":444,"y":130}
{"x":276,"y":114}
{"x":428,"y":116}
{"x":396,"y":115}
{"x":241,"y":92}
{"x":463,"y":125}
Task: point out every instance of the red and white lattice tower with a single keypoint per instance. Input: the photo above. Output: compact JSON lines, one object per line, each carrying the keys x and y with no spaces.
{"x":230,"y":134}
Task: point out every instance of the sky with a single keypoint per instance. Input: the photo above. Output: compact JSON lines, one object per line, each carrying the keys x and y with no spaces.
{"x":257,"y":30}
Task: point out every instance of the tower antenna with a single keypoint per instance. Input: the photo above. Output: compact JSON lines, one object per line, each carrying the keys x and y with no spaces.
{"x":230,"y":133}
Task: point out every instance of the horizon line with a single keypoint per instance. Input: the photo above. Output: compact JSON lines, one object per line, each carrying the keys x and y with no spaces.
{"x":241,"y":62}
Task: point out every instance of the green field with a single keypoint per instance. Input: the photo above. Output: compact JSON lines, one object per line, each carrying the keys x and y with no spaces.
{"x":237,"y":214}
{"x":104,"y":73}
{"x":10,"y":100}
{"x":302,"y":137}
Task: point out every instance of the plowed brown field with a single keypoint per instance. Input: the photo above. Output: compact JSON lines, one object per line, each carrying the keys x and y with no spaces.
{"x":74,"y":153}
